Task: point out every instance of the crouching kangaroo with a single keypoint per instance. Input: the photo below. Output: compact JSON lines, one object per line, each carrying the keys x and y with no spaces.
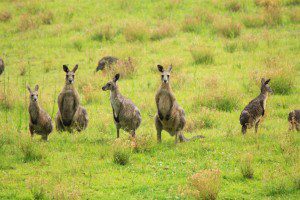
{"x":294,"y":120}
{"x":40,"y":122}
{"x":126,"y":115}
{"x":170,"y":116}
{"x":255,"y":110}
{"x":71,"y":115}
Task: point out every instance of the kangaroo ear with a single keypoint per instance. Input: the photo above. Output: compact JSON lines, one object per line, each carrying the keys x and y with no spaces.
{"x":267,"y":81}
{"x":36,"y":88}
{"x":117,"y":76}
{"x":160,"y":68}
{"x":75,"y":68}
{"x":66,"y":69}
{"x":170,"y":68}
{"x":28,"y":88}
{"x":263,"y":81}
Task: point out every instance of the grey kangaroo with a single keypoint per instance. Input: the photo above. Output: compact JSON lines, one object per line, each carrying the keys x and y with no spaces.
{"x":294,"y":120}
{"x":40,"y":122}
{"x":170,"y":116}
{"x":70,"y":113}
{"x":106,"y":62}
{"x":126,"y":115}
{"x":1,"y":66}
{"x":255,"y":110}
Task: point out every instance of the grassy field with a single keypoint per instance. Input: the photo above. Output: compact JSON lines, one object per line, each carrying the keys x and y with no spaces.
{"x":219,"y":50}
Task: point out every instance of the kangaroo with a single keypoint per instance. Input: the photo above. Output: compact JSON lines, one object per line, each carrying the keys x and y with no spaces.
{"x":70,"y":113}
{"x":170,"y":116}
{"x":1,"y":66}
{"x":40,"y":122}
{"x":106,"y":61}
{"x":126,"y":115}
{"x":294,"y":119}
{"x":255,"y":110}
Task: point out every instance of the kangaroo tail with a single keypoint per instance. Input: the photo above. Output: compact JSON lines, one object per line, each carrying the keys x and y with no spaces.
{"x":182,"y":138}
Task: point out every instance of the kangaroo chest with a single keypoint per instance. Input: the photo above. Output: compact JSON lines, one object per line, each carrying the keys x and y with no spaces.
{"x":115,"y":104}
{"x":68,"y":105}
{"x":164,"y":103}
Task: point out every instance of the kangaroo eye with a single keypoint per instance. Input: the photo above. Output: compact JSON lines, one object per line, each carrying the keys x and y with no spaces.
{"x":32,"y":95}
{"x":168,"y":76}
{"x":109,"y":84}
{"x":73,"y":76}
{"x":162,"y":76}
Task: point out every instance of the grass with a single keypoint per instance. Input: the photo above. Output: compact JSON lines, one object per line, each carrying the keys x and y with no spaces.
{"x":212,"y":86}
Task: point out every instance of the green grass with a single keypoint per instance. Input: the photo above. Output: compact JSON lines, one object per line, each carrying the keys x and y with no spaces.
{"x":212,"y":86}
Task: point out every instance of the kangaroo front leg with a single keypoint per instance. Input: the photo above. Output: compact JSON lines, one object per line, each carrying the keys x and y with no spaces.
{"x":176,"y":137}
{"x":118,"y":132}
{"x":158,"y":126}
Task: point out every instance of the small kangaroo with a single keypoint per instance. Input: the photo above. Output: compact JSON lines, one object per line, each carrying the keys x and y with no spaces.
{"x":40,"y":122}
{"x":170,"y":116}
{"x":294,"y":119}
{"x":1,"y":66}
{"x":70,"y":113}
{"x":126,"y":115}
{"x":255,"y":110}
{"x":106,"y":62}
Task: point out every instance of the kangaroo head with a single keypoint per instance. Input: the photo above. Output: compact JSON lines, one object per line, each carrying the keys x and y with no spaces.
{"x":70,"y":75}
{"x":265,"y":88}
{"x":33,"y":94}
{"x":165,"y":74}
{"x":111,"y":85}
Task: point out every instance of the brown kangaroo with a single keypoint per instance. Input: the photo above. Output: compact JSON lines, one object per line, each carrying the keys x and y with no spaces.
{"x":126,"y":115}
{"x":40,"y":122}
{"x":294,"y":119}
{"x":255,"y":110}
{"x":170,"y":116}
{"x":70,"y":114}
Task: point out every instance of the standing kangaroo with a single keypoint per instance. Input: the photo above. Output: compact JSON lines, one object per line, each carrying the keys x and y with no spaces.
{"x":255,"y":110}
{"x":70,"y":114}
{"x":126,"y":115}
{"x":1,"y":66}
{"x":40,"y":122}
{"x":294,"y":119}
{"x":170,"y":116}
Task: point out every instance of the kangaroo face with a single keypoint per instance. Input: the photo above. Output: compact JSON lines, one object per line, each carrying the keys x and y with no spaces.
{"x":33,"y":94}
{"x":165,"y":74}
{"x":265,"y":88}
{"x":111,"y":85}
{"x":70,"y":75}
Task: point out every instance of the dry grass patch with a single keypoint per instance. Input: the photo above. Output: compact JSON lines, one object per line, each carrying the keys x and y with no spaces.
{"x":253,"y":21}
{"x":191,"y":24}
{"x":137,"y":31}
{"x":28,"y":22}
{"x":5,"y":16}
{"x":163,"y":30}
{"x":105,"y":32}
{"x":295,"y":15}
{"x":46,"y":17}
{"x":267,"y":3}
{"x":250,"y":42}
{"x":202,"y":54}
{"x":228,"y":28}
{"x":233,"y":5}
{"x":121,"y":151}
{"x":247,"y":169}
{"x":230,"y":46}
{"x":273,"y":15}
{"x":205,"y":184}
{"x":125,"y":68}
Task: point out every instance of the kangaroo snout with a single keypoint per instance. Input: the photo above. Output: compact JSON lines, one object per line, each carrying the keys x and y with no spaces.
{"x":103,"y":88}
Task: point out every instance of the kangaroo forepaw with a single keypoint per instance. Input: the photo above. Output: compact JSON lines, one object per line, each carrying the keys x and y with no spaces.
{"x":161,"y":117}
{"x":167,"y":117}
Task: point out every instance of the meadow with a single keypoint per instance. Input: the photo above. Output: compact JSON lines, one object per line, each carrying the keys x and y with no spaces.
{"x":219,"y":50}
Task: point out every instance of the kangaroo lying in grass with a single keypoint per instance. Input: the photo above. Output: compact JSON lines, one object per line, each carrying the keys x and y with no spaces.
{"x":40,"y":122}
{"x":70,"y":114}
{"x":1,"y":66}
{"x":126,"y":115}
{"x":255,"y":110}
{"x":106,"y":62}
{"x":170,"y":116}
{"x":294,"y":119}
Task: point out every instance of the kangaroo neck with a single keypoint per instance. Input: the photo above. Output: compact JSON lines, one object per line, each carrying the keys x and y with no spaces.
{"x":115,"y":100}
{"x":166,"y":86}
{"x":69,"y":87}
{"x":263,"y":95}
